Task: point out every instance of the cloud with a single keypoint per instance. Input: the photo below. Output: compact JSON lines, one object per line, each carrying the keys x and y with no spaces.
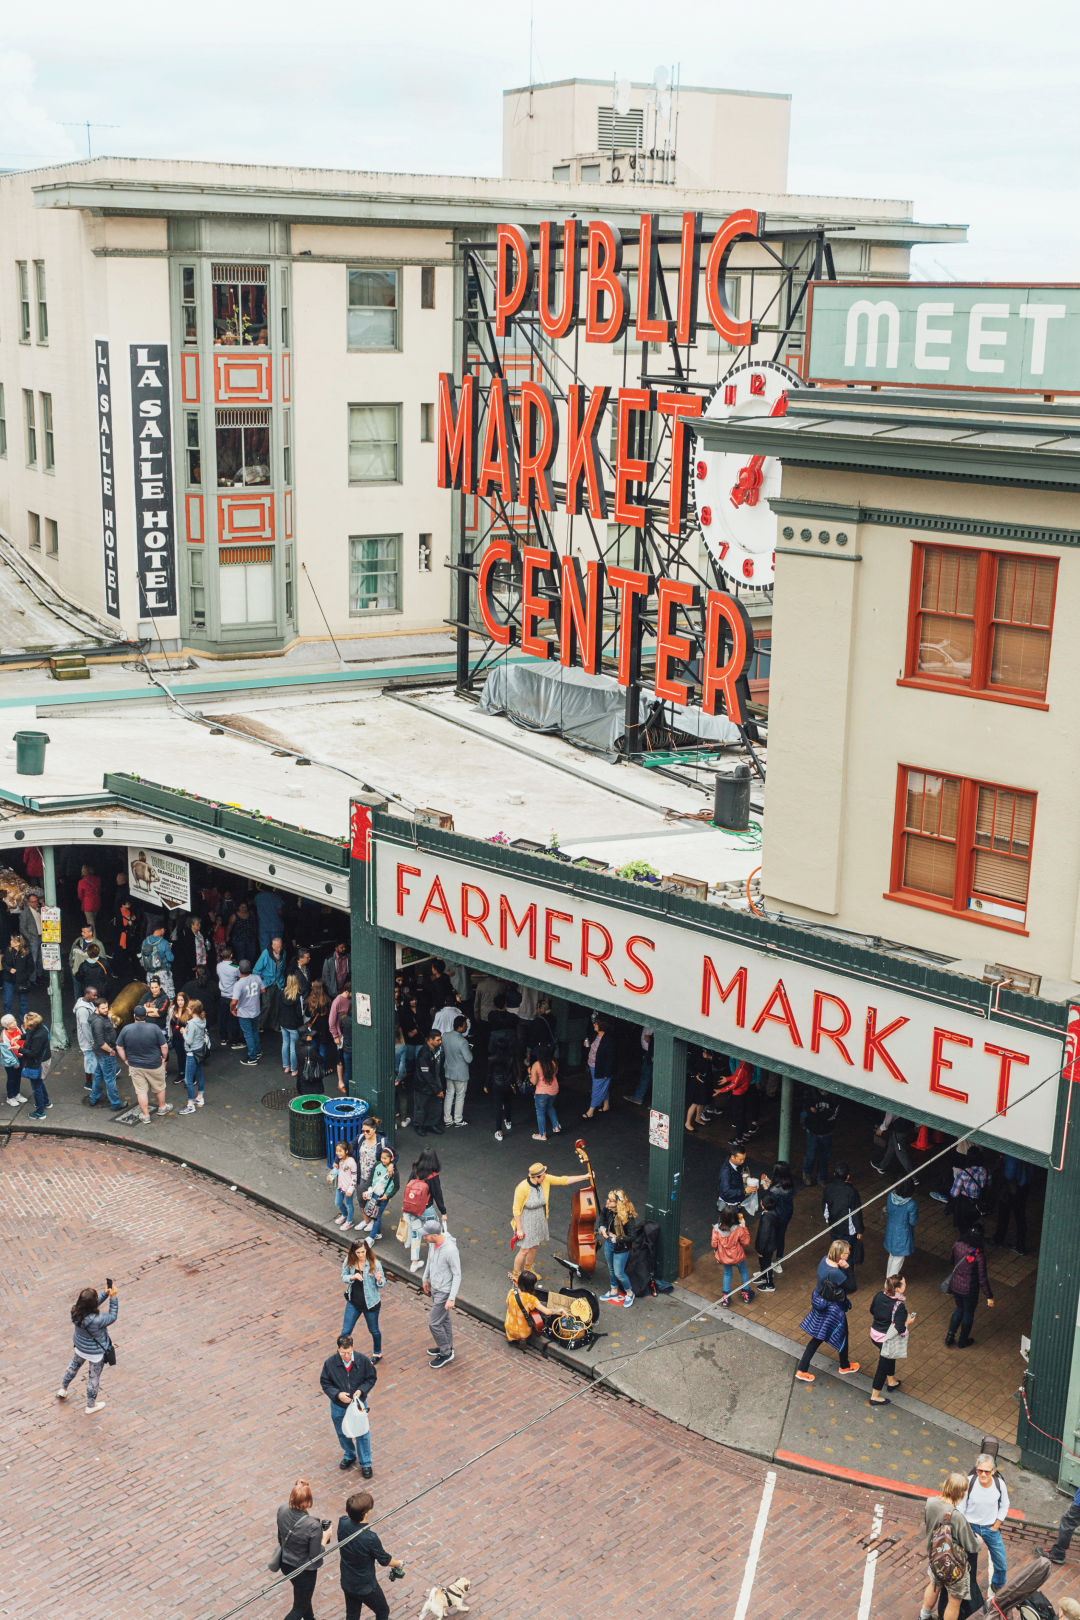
{"x":28,"y":134}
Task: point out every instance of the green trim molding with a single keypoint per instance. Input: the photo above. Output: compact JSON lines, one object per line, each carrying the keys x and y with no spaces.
{"x":934,"y":522}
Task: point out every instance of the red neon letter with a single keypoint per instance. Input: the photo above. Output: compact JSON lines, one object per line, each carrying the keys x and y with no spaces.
{"x":508,"y":921}
{"x":538,"y":449}
{"x":689,"y":262}
{"x":497,"y":551}
{"x":1007,"y":1059}
{"x":872,"y":1044}
{"x":818,"y":1029}
{"x":456,"y":446}
{"x":604,"y":272}
{"x":725,"y":617}
{"x":630,"y":469}
{"x":678,"y":406}
{"x":534,"y":559}
{"x":497,"y":450}
{"x":583,"y":452}
{"x":581,"y":626}
{"x":785,"y":1016}
{"x":745,"y":223}
{"x":599,"y":957}
{"x":938,"y":1063}
{"x":476,"y":919}
{"x":647,"y":980}
{"x":671,"y":593}
{"x":649,"y":328}
{"x":436,"y":901}
{"x":512,"y":285}
{"x":402,"y":887}
{"x":710,"y":981}
{"x":552,"y":938}
{"x":551,"y":324}
{"x":629,"y":585}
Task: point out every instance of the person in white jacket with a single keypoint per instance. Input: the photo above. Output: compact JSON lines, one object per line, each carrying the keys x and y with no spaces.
{"x":85,"y":1008}
{"x":986,"y":1507}
{"x":442,"y":1279}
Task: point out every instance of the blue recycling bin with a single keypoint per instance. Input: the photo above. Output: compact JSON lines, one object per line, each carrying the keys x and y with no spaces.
{"x":343,"y":1117}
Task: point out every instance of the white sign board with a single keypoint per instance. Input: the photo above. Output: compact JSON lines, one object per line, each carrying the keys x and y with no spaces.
{"x":159,"y":880}
{"x":892,"y":1045}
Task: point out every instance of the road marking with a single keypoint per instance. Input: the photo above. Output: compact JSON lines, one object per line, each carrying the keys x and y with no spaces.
{"x":743,"y":1605}
{"x":871,"y":1564}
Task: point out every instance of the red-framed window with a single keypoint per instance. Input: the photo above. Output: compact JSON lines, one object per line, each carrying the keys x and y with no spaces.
{"x":980,"y":622}
{"x":962,"y":846}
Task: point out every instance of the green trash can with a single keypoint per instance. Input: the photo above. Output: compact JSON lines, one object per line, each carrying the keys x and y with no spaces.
{"x":306,"y":1133}
{"x":30,"y":752}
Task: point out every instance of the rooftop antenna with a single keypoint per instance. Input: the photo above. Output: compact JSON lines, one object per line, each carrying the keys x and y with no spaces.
{"x":85,"y":123}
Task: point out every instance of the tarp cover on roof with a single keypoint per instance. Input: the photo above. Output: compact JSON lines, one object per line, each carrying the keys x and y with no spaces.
{"x":589,"y":708}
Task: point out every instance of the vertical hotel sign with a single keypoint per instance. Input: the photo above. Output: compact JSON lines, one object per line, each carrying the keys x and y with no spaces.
{"x":107,"y":474}
{"x":151,"y":443}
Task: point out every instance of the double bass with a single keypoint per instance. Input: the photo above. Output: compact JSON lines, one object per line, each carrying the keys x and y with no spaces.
{"x":584,"y":1211}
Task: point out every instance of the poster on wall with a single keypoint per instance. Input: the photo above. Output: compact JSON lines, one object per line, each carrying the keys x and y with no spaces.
{"x":106,"y":475}
{"x":151,"y":448}
{"x":159,"y":880}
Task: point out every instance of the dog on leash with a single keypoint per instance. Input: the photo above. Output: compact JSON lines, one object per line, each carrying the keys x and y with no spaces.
{"x":442,"y":1601}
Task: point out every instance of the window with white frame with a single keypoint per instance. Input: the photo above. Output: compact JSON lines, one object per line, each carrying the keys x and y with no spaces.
{"x":49,"y":461}
{"x":30,"y":423}
{"x":197,"y":586}
{"x":374,"y":574}
{"x":22,"y":278}
{"x":374,"y":444}
{"x":189,"y":307}
{"x":42,"y":301}
{"x":374,"y":309}
{"x":246,"y":584}
{"x":285,"y":306}
{"x":243,"y":445}
{"x":240,"y":312}
{"x":193,"y":447}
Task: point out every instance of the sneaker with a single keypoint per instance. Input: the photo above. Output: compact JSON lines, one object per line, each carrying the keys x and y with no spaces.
{"x":939,"y":1198}
{"x":610,"y":1295}
{"x":16,"y":1102}
{"x":376,"y":1355}
{"x":539,"y":1138}
{"x":346,"y":1226}
{"x":417,"y":1265}
{"x":117,"y":1108}
{"x":1048,"y":1552}
{"x":555,"y":1129}
{"x":498,"y":1136}
{"x":778,"y":1270}
{"x":165,"y":1108}
{"x":433,"y":1350}
{"x":339,"y":1220}
{"x":627,"y":1301}
{"x":724,"y":1301}
{"x":461,"y":1123}
{"x":39,"y":1113}
{"x":406,"y":1121}
{"x":746,"y":1295}
{"x":86,"y":1102}
{"x":249,"y":1063}
{"x":442,"y":1361}
{"x":366,"y":1470}
{"x":766,"y":1288}
{"x":237,"y":1046}
{"x":854,"y":1367}
{"x":507,"y":1127}
{"x":804,"y":1378}
{"x":199,"y":1101}
{"x":97,"y":1406}
{"x":48,"y":1105}
{"x":347,"y":1462}
{"x":878,"y":1169}
{"x":190,"y":1109}
{"x":62,"y":1394}
{"x":143,"y":1119}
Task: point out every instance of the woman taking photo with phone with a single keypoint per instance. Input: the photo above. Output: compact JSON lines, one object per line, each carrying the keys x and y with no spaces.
{"x":92,"y":1342}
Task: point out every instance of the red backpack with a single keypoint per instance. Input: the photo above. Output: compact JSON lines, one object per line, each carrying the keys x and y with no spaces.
{"x":416,"y":1197}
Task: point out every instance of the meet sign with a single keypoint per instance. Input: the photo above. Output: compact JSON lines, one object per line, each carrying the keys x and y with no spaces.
{"x":999,"y":337}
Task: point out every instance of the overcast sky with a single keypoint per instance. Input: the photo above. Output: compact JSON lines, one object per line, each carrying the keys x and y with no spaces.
{"x":968,"y":109}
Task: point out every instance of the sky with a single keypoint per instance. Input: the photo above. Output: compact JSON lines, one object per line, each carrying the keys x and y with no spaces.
{"x":967,"y":109}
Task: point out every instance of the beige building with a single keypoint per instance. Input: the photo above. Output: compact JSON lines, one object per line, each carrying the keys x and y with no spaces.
{"x":304,"y":317}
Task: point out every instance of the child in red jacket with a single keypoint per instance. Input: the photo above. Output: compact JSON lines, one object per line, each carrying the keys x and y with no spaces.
{"x":730,"y":1241}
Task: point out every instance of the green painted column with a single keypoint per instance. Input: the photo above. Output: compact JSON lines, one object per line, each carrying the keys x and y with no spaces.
{"x":664,"y":1200}
{"x":787,"y":1099}
{"x":372,"y":970}
{"x":58,"y":1039}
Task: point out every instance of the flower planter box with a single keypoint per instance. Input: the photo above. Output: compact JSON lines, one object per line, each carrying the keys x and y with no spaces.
{"x":529,"y":845}
{"x":289,"y":840}
{"x":152,"y":796}
{"x":591,"y":865}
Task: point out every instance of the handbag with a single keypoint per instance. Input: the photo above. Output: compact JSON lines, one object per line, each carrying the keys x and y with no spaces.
{"x":356,"y":1421}
{"x":894,"y":1344}
{"x":371,"y":1208}
{"x":833,"y":1293}
{"x":402,"y":1233}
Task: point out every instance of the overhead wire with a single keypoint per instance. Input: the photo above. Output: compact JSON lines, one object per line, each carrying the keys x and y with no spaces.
{"x":622,"y":1359}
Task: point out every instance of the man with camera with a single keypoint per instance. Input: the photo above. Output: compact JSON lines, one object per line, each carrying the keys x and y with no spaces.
{"x":359,"y":1550}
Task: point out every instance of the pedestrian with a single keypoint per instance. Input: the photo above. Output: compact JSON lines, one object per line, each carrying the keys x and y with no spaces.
{"x":270,"y":970}
{"x":156,"y":956}
{"x":142,"y":1046}
{"x":947,"y":1553}
{"x":618,"y":1224}
{"x":191,"y":950}
{"x":730,"y":1241}
{"x":36,"y":1061}
{"x":819,"y":1118}
{"x":641,"y":1090}
{"x":92,"y":974}
{"x":341,"y":1034}
{"x":245,"y":1004}
{"x":967,"y":1191}
{"x":423,"y":1196}
{"x":781,"y":1183}
{"x":301,"y":1539}
{"x":890,"y":1320}
{"x":335,"y":970}
{"x":447,"y":1016}
{"x":242,"y":935}
{"x":1066,"y":1530}
{"x":738,"y":1085}
{"x":364,"y":1280}
{"x":10,"y":1055}
{"x":502,"y":1064}
{"x":1068,"y":1609}
{"x":826,"y":1320}
{"x":429,"y":1087}
{"x":80,"y":950}
{"x":899,"y":1135}
{"x":986,"y":1507}
{"x":1012,"y":1201}
{"x":156,"y":1003}
{"x":600,"y":1057}
{"x":291,"y":1018}
{"x":103,"y":1051}
{"x":30,"y":929}
{"x":366,"y":1152}
{"x":176,"y":1033}
{"x":92,"y":1342}
{"x":89,"y":893}
{"x":194,"y":1054}
{"x":442,"y":1279}
{"x":384,"y":1184}
{"x":347,"y":1373}
{"x":968,"y":1274}
{"x":342,"y":1178}
{"x":83,"y":1010}
{"x":127,"y":940}
{"x":457,"y":1057}
{"x":700,"y":1079}
{"x":269,"y":913}
{"x":840,"y":1202}
{"x":530,"y":1215}
{"x":227,"y":975}
{"x":733,"y":1189}
{"x":319,"y":1047}
{"x":544,"y":1079}
{"x":901,"y":1216}
{"x":359,"y":1551}
{"x":18,"y":975}
{"x":765,"y":1241}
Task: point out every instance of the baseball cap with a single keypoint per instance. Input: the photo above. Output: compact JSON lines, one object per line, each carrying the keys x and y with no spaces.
{"x":430,"y":1225}
{"x":140,"y":1011}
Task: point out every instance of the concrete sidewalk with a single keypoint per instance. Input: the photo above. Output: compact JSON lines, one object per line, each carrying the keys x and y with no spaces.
{"x":717,"y":1373}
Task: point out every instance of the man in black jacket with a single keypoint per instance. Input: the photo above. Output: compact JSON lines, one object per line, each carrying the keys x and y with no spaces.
{"x":840,"y":1199}
{"x":428,"y":1086}
{"x":342,"y":1376}
{"x":361,"y":1550}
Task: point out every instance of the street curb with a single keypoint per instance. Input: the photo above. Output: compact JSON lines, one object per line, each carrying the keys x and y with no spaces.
{"x":541,"y":1352}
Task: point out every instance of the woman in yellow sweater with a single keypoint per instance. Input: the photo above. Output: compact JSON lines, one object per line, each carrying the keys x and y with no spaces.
{"x":530,"y":1217}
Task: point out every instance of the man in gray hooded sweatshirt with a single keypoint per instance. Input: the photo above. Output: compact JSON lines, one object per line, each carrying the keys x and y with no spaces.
{"x":442,"y":1279}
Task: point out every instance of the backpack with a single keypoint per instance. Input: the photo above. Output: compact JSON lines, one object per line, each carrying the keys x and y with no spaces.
{"x":416,"y":1197}
{"x":1036,"y":1606}
{"x":147,"y":951}
{"x":998,"y":1482}
{"x":947,"y":1561}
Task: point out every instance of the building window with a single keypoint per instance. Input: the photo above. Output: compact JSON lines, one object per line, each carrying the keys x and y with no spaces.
{"x":239,"y":304}
{"x":189,"y":313}
{"x":374,"y":574}
{"x":962,"y":846}
{"x":590,"y":172}
{"x":197,"y":587}
{"x":42,"y":301}
{"x":285,"y":306}
{"x":243,"y":445}
{"x":423,"y":554}
{"x":427,"y":424}
{"x":374,"y":444}
{"x":33,"y":530}
{"x":30,"y":422}
{"x":427,"y":286}
{"x":980,"y":621}
{"x":3,"y":423}
{"x":246,"y":584}
{"x":49,"y":461}
{"x":374,"y":309}
{"x":22,"y":277}
{"x":193,"y":447}
{"x":52,"y":538}
{"x":289,"y":607}
{"x":286,"y":448}
{"x":561,"y":171}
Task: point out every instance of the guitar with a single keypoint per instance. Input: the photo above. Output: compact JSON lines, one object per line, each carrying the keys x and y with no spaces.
{"x":584,"y":1209}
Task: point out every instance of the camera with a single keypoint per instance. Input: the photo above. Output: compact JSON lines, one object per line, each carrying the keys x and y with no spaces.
{"x":397,"y":1574}
{"x":325,"y":1524}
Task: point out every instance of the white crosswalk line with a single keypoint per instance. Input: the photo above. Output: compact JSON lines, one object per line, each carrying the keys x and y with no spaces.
{"x":745,"y":1591}
{"x":870,"y":1567}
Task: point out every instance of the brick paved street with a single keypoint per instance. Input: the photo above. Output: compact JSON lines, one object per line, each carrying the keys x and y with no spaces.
{"x":162,"y":1505}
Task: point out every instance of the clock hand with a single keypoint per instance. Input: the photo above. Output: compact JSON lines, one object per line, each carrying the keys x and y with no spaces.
{"x":747,"y":487}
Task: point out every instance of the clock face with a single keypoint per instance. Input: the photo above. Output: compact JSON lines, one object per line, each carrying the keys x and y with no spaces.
{"x":732,"y":492}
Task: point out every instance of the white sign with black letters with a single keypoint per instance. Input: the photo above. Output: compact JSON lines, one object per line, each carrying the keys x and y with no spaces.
{"x":151,"y":443}
{"x":159,"y":880}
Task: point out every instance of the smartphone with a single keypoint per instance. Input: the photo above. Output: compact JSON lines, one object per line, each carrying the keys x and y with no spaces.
{"x":108,"y":1282}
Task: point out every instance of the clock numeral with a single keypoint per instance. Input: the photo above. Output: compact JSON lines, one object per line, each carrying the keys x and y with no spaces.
{"x":723,"y":548}
{"x":729,"y":394}
{"x":701,"y":471}
{"x":706,"y":516}
{"x":748,"y":568}
{"x":757,"y":383}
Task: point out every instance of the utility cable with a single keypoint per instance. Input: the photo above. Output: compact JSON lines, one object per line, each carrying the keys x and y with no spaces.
{"x":621,"y":1359}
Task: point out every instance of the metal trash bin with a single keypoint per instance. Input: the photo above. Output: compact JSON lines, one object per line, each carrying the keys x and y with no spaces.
{"x":306,"y":1126}
{"x":343,"y":1117}
{"x":30,"y":752}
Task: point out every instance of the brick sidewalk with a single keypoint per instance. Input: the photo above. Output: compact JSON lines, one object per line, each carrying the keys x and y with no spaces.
{"x":163,"y":1505}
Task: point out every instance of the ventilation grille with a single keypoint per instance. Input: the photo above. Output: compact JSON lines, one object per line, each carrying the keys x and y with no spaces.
{"x":248,"y":275}
{"x":245,"y":554}
{"x":619,"y":132}
{"x":242,"y":416}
